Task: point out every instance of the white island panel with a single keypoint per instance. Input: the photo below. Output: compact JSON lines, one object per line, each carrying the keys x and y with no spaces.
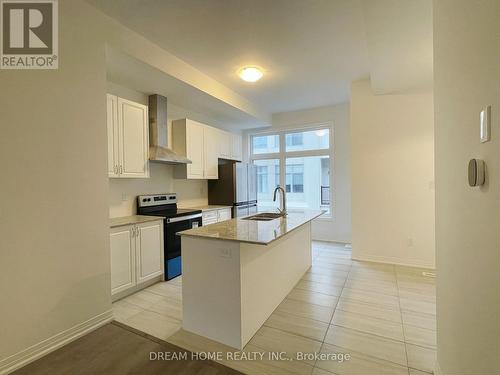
{"x":268,"y":274}
{"x":211,"y":292}
{"x":230,"y":288}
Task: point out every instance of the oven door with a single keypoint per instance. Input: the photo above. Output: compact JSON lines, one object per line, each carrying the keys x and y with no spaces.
{"x":173,"y":242}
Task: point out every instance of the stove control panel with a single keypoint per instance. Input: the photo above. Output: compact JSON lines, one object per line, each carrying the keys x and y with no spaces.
{"x":156,"y":199}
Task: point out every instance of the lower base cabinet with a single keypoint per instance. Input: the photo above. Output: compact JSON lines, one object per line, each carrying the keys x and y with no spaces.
{"x":216,"y":216}
{"x":136,"y":255}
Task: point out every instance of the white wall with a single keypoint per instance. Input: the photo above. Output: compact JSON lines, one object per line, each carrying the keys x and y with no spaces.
{"x":338,"y":228}
{"x":54,"y":242}
{"x":392,"y":176}
{"x":122,"y":192}
{"x":467,"y":71}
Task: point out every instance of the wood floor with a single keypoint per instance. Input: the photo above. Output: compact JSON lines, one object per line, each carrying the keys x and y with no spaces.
{"x":113,"y":349}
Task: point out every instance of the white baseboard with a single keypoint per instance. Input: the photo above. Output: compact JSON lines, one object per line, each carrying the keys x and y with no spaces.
{"x":437,"y":369}
{"x":22,"y":358}
{"x":392,"y":260}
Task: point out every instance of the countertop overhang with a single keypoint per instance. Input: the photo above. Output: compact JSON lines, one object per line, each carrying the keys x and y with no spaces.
{"x":254,"y":231}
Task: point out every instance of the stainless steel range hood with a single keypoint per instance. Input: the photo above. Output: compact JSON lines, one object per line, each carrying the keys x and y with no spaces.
{"x":158,"y":133}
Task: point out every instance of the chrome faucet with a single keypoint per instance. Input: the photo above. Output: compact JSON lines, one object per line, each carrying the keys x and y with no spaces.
{"x":282,"y":208}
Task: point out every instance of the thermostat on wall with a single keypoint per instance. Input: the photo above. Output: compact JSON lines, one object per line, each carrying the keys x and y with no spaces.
{"x":485,"y":129}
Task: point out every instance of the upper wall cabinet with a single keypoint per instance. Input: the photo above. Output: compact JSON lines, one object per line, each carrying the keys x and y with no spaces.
{"x":211,"y":149}
{"x":236,"y":147}
{"x":203,"y":145}
{"x":128,"y":138}
{"x":225,"y":144}
{"x":188,"y":140}
{"x":230,"y":145}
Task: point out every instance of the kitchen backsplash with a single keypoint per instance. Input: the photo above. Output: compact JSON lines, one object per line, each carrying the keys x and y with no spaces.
{"x":123,"y":192}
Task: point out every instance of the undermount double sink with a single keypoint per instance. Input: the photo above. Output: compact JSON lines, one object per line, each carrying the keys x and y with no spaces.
{"x":264,"y":216}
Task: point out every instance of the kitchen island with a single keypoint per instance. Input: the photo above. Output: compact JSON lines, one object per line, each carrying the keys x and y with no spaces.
{"x":235,"y":273}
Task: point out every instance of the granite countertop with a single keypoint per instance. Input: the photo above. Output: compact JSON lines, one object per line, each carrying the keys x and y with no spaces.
{"x":134,"y":219}
{"x":253,"y":231}
{"x":208,"y":207}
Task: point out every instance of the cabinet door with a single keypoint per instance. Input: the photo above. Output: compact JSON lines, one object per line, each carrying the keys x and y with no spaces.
{"x":112,"y":124}
{"x":122,"y":259}
{"x":211,"y":148}
{"x":209,"y":217}
{"x":237,"y":147}
{"x":149,"y":251}
{"x":225,"y":142}
{"x":194,"y":149}
{"x":224,"y":214}
{"x":134,"y":142}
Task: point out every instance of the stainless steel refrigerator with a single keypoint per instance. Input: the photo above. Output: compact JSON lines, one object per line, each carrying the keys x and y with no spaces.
{"x":236,"y":186}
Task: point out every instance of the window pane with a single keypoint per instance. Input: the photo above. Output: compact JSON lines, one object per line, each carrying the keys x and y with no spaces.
{"x":308,"y":140}
{"x":308,"y":183}
{"x":264,"y":144}
{"x":262,"y":179}
{"x":268,"y":177}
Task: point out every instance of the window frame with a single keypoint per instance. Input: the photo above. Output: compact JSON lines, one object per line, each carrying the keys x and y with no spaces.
{"x":282,"y":155}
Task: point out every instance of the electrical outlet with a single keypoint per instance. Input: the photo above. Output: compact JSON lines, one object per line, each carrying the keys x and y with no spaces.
{"x":409,"y":242}
{"x":124,"y":197}
{"x":225,"y":253}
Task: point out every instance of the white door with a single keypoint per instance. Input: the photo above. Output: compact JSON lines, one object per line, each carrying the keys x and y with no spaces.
{"x":211,"y":148}
{"x":237,"y":147}
{"x":112,"y":123}
{"x":194,"y":149}
{"x":134,"y":142}
{"x":122,"y":259}
{"x":149,"y":250}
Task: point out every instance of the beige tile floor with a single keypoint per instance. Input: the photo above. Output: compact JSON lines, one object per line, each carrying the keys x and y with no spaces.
{"x":383,"y":316}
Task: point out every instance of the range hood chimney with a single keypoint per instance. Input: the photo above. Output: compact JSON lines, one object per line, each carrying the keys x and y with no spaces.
{"x":158,"y":133}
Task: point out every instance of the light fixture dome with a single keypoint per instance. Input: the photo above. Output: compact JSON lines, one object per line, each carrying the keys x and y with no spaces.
{"x":250,"y":73}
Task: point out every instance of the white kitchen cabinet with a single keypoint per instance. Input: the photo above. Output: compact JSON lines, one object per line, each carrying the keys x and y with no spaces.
{"x":223,"y":214}
{"x":136,"y":256}
{"x":209,"y":217}
{"x":199,"y":143}
{"x":128,"y":138}
{"x":112,"y":123}
{"x":216,"y":215}
{"x":211,"y":153}
{"x":236,"y":147}
{"x":122,"y":246}
{"x":230,"y":146}
{"x":188,"y":141}
{"x":225,"y":144}
{"x":149,"y":250}
{"x":203,"y":145}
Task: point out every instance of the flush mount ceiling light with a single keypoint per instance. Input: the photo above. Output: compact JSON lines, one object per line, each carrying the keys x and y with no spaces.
{"x":250,"y":73}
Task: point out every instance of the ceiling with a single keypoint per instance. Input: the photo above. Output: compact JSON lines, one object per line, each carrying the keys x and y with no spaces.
{"x":310,"y":50}
{"x":125,"y":70}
